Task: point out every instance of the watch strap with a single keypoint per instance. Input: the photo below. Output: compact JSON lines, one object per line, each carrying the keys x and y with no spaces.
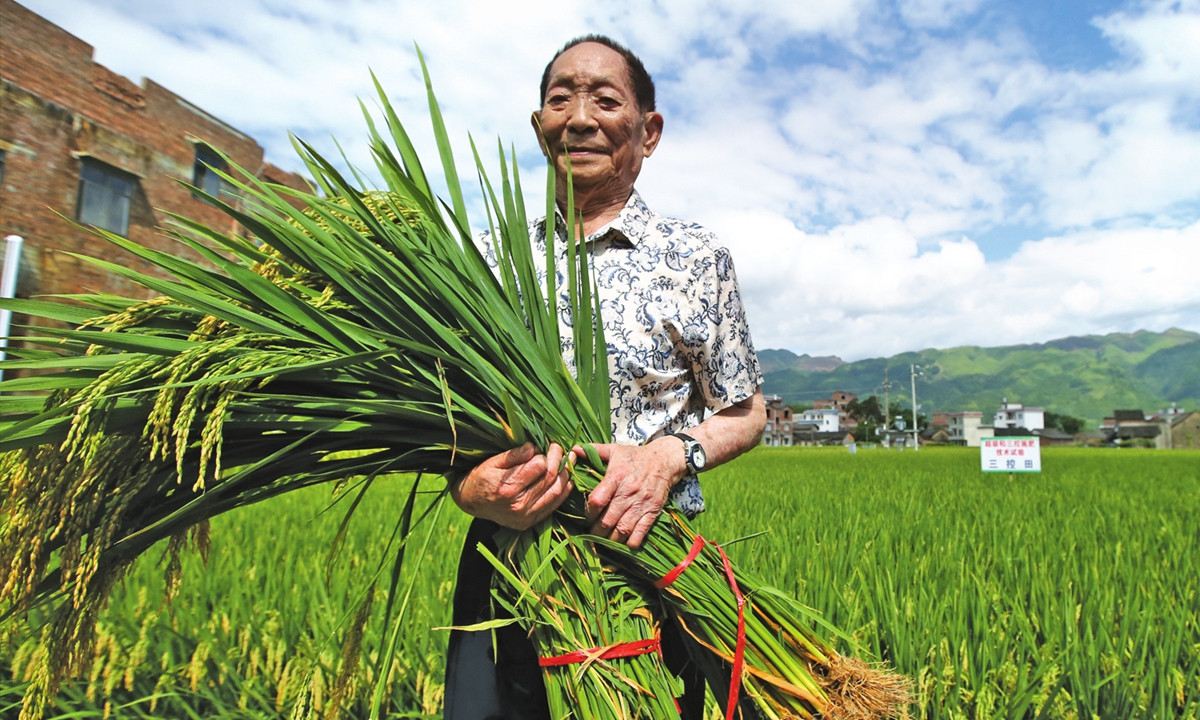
{"x":688,"y":442}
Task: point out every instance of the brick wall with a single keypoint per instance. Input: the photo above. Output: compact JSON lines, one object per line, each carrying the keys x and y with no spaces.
{"x":58,"y":106}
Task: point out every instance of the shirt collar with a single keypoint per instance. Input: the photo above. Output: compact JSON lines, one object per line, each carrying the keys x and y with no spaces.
{"x":630,"y":224}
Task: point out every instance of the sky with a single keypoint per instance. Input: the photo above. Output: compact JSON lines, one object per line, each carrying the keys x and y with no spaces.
{"x":889,"y":175}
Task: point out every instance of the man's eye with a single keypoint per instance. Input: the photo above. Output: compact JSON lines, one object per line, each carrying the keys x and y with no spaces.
{"x":556,"y":100}
{"x":608,"y":103}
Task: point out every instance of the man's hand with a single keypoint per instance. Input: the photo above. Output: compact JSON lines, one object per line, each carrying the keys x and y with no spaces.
{"x":631,"y":496}
{"x":516,"y":489}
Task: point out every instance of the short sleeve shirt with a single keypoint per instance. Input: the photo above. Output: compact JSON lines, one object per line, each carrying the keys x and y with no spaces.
{"x":679,"y":347}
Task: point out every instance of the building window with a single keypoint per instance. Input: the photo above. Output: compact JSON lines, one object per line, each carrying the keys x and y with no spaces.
{"x":2,"y":154}
{"x":104,"y":196}
{"x":204,"y":172}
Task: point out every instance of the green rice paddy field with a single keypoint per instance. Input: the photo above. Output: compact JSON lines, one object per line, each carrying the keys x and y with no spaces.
{"x":1074,"y":593}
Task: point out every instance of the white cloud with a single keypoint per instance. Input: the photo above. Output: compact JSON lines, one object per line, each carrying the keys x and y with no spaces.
{"x":853,"y":291}
{"x":867,"y":290}
{"x":833,"y":17}
{"x":935,"y":13}
{"x":1163,"y":42}
{"x":1143,"y":165}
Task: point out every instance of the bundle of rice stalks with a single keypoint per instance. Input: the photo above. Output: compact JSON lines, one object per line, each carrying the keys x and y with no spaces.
{"x":361,"y":336}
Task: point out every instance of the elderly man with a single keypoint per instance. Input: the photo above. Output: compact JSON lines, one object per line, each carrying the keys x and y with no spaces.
{"x":686,"y":390}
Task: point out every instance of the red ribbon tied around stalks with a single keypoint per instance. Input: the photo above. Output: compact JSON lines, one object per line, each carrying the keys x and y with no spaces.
{"x":623,"y":650}
{"x":665,"y":580}
{"x":739,"y":655}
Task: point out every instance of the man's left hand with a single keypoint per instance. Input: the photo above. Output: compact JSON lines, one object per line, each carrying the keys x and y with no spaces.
{"x":625,"y":504}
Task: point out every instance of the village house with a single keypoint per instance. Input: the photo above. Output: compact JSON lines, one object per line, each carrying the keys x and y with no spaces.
{"x":1014,"y":416}
{"x":1174,"y":429}
{"x":838,"y":401}
{"x":967,"y":428}
{"x":1053,"y":436}
{"x":786,"y":428}
{"x":778,"y":430}
{"x":1132,"y":428}
{"x":81,"y":142}
{"x":936,"y":434}
{"x":1184,"y":433}
{"x":821,"y":420}
{"x":1131,"y":418}
{"x":807,"y":435}
{"x":938,"y":429}
{"x":819,"y":427}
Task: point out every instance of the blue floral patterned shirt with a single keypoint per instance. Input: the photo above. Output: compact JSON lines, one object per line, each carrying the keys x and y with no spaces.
{"x":678,"y":343}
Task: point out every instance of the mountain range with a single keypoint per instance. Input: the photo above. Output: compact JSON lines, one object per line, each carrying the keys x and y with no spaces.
{"x":1086,"y":377}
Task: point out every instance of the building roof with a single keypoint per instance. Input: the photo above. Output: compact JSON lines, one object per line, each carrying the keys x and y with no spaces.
{"x":1053,"y":434}
{"x":1006,"y":405}
{"x":1128,"y":415}
{"x":832,"y":435}
{"x":1135,"y":432}
{"x":822,"y":438}
{"x":1180,"y":417}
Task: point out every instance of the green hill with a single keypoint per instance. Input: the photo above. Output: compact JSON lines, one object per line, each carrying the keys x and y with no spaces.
{"x":1087,"y":377}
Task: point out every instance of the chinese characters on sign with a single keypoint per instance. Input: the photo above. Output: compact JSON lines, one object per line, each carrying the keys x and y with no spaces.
{"x":1018,"y":454}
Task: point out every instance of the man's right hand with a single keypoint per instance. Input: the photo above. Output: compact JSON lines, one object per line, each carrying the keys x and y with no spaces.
{"x":517,"y":488}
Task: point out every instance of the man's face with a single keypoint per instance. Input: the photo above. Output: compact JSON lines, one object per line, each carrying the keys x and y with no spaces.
{"x":590,"y":115}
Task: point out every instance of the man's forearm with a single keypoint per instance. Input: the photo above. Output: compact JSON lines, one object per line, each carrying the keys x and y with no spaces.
{"x":625,"y":504}
{"x":732,"y":431}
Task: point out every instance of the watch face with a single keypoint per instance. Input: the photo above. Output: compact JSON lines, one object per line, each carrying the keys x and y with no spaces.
{"x":696,"y":457}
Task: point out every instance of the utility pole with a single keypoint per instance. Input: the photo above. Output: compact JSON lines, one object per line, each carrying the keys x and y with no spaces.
{"x":887,"y":413}
{"x":914,"y":369}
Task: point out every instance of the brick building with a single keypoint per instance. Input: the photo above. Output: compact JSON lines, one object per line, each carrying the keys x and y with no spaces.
{"x":83,"y":142}
{"x":778,"y":430}
{"x":837,"y":401}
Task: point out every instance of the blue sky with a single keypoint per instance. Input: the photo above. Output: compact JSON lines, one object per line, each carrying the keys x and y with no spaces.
{"x":889,"y":174}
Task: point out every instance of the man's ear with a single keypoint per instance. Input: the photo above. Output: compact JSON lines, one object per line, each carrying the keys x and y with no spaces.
{"x":536,"y":121}
{"x":652,"y":132}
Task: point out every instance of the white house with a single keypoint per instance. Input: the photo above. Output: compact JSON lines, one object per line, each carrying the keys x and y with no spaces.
{"x":1015,"y":415}
{"x":825,"y":420}
{"x":966,"y":428}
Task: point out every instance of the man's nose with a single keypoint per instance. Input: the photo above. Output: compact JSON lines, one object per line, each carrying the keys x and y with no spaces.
{"x":581,"y":114}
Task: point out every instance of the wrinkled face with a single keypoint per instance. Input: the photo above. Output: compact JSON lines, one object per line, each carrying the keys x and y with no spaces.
{"x":590,"y":115}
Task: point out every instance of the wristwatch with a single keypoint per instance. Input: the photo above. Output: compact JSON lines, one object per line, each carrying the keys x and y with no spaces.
{"x":693,"y":453}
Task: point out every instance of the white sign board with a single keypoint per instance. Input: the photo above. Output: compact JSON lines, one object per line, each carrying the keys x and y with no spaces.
{"x":1011,"y":454}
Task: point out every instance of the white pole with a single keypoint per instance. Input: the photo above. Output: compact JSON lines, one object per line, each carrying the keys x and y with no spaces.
{"x":8,"y":286}
{"x":887,"y":410}
{"x":916,"y":442}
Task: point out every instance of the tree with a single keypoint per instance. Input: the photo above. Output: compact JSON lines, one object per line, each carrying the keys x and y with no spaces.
{"x":906,"y":414}
{"x":1067,"y":423}
{"x":865,"y":411}
{"x":868,"y":414}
